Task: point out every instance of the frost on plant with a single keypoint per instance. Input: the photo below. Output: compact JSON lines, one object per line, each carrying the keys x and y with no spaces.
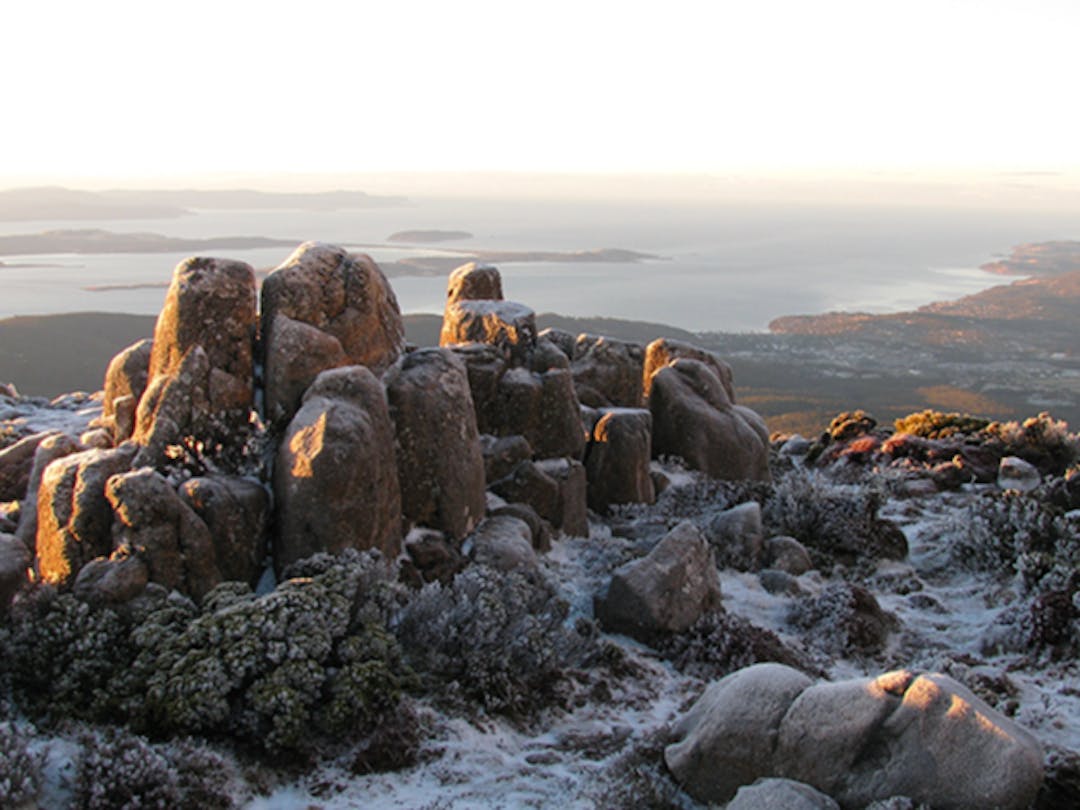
{"x":20,"y":770}
{"x":501,"y":638}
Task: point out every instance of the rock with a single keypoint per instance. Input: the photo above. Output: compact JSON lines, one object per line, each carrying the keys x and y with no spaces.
{"x":795,"y":446}
{"x":342,"y":294}
{"x":560,"y":338}
{"x":439,"y":458}
{"x":663,"y":352}
{"x":617,"y":461}
{"x":295,"y":353}
{"x":547,"y":356}
{"x":112,"y":580}
{"x":125,"y":382}
{"x":153,"y":522}
{"x":509,"y":326}
{"x":780,"y":794}
{"x":572,"y":516}
{"x":503,"y":543}
{"x":693,"y":418}
{"x":176,"y":407}
{"x":554,"y":428}
{"x":540,"y":528}
{"x":15,"y":564}
{"x":48,"y":451}
{"x":778,"y":582}
{"x":74,"y":518}
{"x":211,"y":304}
{"x":16,"y":462}
{"x":502,"y":454}
{"x":664,"y":592}
{"x":335,"y":478}
{"x":608,"y":372}
{"x":485,"y":367}
{"x":237,"y":513}
{"x":1015,"y":473}
{"x":474,"y":282}
{"x":951,"y":475}
{"x":8,"y":390}
{"x":736,"y":536}
{"x":433,"y":556}
{"x":726,"y":739}
{"x":529,"y":484}
{"x":922,"y":736}
{"x":786,"y":554}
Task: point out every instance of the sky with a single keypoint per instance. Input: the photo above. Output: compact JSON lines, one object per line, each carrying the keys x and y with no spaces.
{"x":142,"y":90}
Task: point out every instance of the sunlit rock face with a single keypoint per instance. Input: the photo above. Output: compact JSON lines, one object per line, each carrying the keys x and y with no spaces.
{"x":201,"y":372}
{"x":508,"y":325}
{"x":664,"y":351}
{"x":125,"y":382}
{"x":694,"y":418}
{"x":440,"y":463}
{"x":925,"y":737}
{"x":323,"y":308}
{"x":335,"y":477}
{"x":474,"y":282}
{"x":74,"y":518}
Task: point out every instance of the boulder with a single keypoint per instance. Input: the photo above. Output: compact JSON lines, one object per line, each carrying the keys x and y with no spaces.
{"x":74,"y":517}
{"x":112,"y":580}
{"x":502,"y":454}
{"x":786,"y":554}
{"x":433,"y":557}
{"x":504,"y":543}
{"x":49,"y":450}
{"x":335,"y":478}
{"x":571,"y":515}
{"x":693,"y":418}
{"x":295,"y":352}
{"x":16,"y":462}
{"x":560,"y":338}
{"x":165,"y":533}
{"x":211,"y":304}
{"x":15,"y":564}
{"x":529,"y":484}
{"x":474,"y":282}
{"x":509,"y":326}
{"x":780,"y":794}
{"x":736,"y":536}
{"x":618,"y":458}
{"x":439,"y":458}
{"x":727,"y":738}
{"x":546,"y":356}
{"x":608,"y":372}
{"x":664,"y":351}
{"x":342,"y":294}
{"x":1015,"y":473}
{"x":125,"y":382}
{"x":538,"y":527}
{"x":175,"y":409}
{"x":237,"y":513}
{"x":664,"y":592}
{"x":554,"y":426}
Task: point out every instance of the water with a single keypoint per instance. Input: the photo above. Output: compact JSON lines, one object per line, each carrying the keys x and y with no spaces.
{"x":725,"y":267}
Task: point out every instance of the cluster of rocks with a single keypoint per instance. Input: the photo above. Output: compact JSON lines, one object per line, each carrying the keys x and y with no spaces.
{"x":296,"y":420}
{"x":924,"y":737}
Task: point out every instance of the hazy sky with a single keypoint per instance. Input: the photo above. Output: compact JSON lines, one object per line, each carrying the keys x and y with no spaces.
{"x":117,"y":88}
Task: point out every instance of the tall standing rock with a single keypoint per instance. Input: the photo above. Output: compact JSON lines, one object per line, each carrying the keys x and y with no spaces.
{"x":237,"y":513}
{"x":474,"y":282}
{"x":346,"y":298}
{"x":664,"y":351}
{"x":440,"y":462}
{"x":617,"y":460}
{"x":608,"y":372}
{"x":335,"y":478}
{"x":508,"y":325}
{"x":693,"y":418}
{"x":201,"y":374}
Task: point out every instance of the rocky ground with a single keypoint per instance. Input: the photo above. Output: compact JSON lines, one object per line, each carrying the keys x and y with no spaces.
{"x":525,"y":569}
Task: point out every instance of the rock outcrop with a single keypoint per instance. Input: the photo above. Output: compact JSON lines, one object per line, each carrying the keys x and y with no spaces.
{"x":608,"y":372}
{"x":335,"y":478}
{"x":237,"y":513}
{"x":125,"y":383}
{"x":618,"y":458}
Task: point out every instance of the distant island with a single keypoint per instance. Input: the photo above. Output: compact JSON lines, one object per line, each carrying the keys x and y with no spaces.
{"x":428,"y":236}
{"x":441,"y":265}
{"x":100,"y":241}
{"x":57,"y":203}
